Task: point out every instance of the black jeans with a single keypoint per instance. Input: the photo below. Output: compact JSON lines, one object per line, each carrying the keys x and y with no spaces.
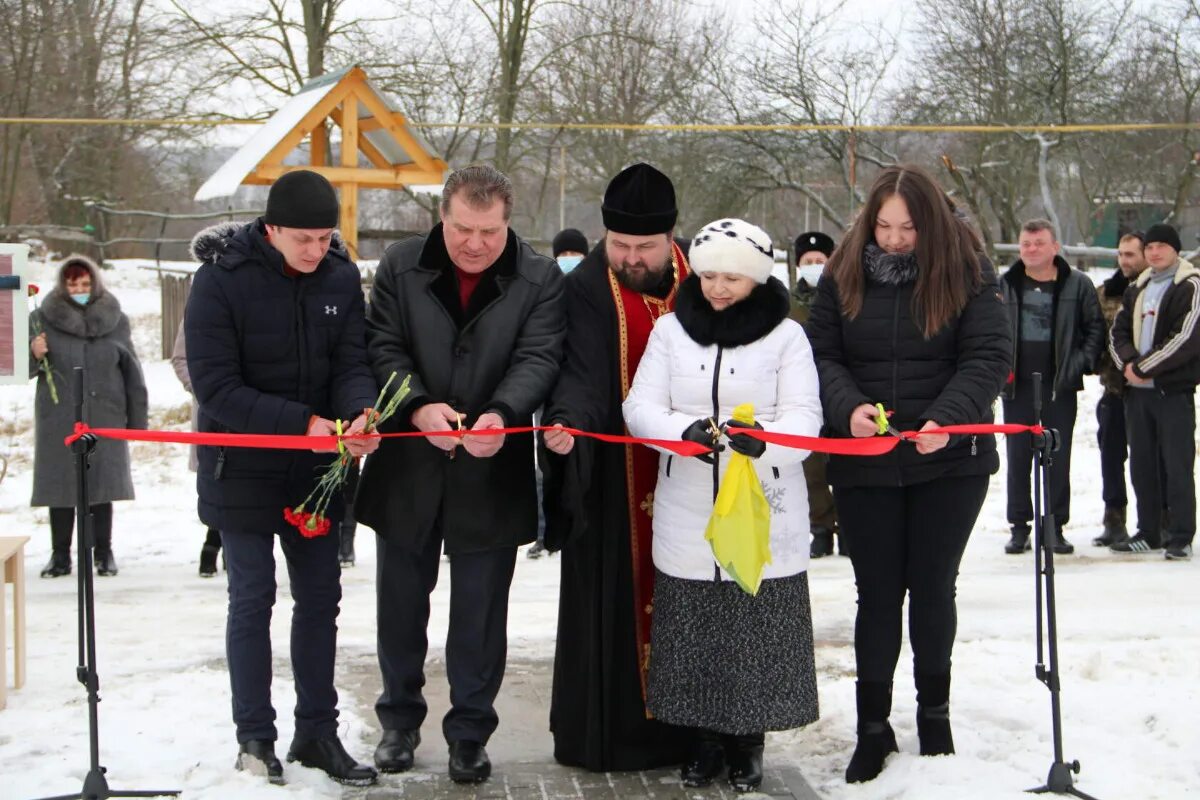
{"x":1058,"y":414}
{"x":62,"y":526}
{"x":1162,"y":455}
{"x":476,"y":642}
{"x":315,"y":577}
{"x":1114,"y":449}
{"x":907,"y":540}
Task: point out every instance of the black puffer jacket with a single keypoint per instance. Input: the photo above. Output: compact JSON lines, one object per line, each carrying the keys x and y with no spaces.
{"x":881,"y":356}
{"x":500,"y":354}
{"x":266,"y":352}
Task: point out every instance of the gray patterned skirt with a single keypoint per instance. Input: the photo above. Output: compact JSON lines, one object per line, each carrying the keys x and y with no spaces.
{"x":723,"y":660}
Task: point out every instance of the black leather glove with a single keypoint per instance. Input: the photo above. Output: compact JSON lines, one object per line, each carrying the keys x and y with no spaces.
{"x":703,"y":431}
{"x":745,"y":445}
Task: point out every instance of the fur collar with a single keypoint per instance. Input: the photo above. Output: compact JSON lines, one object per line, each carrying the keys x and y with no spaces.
{"x":892,"y":269}
{"x":742,"y":323}
{"x":98,"y":318}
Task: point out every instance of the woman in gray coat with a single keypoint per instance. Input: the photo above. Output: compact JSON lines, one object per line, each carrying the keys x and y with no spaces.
{"x":79,"y":324}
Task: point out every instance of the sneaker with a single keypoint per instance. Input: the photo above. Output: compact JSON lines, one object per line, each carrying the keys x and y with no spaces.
{"x":1019,"y":543}
{"x":1137,"y":544}
{"x":1178,"y":552}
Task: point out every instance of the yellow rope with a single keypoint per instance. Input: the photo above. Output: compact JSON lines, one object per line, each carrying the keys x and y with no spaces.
{"x":683,"y":127}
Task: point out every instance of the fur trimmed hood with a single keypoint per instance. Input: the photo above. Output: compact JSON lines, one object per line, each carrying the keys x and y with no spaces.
{"x":212,"y":242}
{"x":98,"y":318}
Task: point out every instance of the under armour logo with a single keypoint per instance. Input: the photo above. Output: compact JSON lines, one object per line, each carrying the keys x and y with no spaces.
{"x":331,"y":310}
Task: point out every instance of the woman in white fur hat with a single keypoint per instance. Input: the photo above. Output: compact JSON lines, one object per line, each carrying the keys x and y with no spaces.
{"x":723,"y":662}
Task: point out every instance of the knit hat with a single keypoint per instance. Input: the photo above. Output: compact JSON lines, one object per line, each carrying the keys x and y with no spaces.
{"x":814,"y":240}
{"x":569,"y":239}
{"x":640,"y":201}
{"x":1164,"y":234}
{"x":302,"y":199}
{"x":735,"y":246}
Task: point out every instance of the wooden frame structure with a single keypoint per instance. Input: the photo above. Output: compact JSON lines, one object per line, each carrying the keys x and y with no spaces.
{"x":373,"y":131}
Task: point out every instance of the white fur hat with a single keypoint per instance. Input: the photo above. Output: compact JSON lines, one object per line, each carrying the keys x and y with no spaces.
{"x":735,"y":246}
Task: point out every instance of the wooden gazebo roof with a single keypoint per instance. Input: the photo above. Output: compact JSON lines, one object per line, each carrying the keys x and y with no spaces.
{"x":373,"y":130}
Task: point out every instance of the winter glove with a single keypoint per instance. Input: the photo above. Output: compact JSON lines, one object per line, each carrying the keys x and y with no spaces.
{"x":703,"y":431}
{"x":747,"y":446}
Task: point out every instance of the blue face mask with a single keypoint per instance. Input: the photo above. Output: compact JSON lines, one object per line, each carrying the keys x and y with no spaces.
{"x":82,"y":299}
{"x":568,"y":263}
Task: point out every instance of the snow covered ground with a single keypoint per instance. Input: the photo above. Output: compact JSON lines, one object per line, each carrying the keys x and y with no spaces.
{"x":1130,"y":647}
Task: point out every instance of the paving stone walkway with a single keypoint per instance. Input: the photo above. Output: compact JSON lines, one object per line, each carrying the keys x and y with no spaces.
{"x":523,"y":768}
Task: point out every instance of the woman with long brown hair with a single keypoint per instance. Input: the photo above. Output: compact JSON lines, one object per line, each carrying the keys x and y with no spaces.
{"x":908,"y":315}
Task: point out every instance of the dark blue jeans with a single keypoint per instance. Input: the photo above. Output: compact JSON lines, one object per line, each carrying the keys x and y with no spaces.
{"x":315,"y":578}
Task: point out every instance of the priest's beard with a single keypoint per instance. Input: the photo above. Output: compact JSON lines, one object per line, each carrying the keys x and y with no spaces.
{"x":644,"y":278}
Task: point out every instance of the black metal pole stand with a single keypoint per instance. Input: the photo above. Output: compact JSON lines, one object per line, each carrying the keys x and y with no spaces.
{"x":95,"y":787}
{"x":1045,"y":531}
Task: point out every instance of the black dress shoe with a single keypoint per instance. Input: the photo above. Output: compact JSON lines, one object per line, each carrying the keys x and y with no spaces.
{"x":258,"y":758}
{"x":329,"y":756}
{"x":58,"y":565}
{"x":705,"y":760}
{"x":469,"y":762}
{"x":395,"y":750}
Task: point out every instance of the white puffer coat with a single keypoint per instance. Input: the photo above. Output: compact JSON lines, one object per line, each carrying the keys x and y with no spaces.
{"x":676,"y":383}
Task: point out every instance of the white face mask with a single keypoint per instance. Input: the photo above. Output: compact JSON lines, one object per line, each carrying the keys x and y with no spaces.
{"x":809,"y":273}
{"x":568,"y":263}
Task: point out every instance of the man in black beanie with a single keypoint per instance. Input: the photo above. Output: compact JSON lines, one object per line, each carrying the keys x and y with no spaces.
{"x":569,"y":247}
{"x":276,"y":345}
{"x":597,"y":497}
{"x":1155,"y":341}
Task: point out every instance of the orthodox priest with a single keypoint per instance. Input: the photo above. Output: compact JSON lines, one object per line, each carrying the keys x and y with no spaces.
{"x":599,"y":496}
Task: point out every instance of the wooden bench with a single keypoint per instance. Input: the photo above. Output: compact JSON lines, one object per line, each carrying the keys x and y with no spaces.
{"x":12,"y":564}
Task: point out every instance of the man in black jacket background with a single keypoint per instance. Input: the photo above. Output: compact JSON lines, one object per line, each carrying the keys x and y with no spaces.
{"x":473,"y":317}
{"x":276,"y":345}
{"x":1155,"y":341}
{"x":1058,"y":330}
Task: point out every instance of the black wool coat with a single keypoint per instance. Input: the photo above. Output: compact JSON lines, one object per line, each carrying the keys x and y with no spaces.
{"x":500,"y":354}
{"x":882,"y":356}
{"x":266,"y":351}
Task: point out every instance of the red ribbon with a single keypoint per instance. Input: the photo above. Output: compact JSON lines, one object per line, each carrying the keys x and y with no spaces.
{"x":868,"y":446}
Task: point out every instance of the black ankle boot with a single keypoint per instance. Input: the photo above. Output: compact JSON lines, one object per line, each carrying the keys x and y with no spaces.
{"x":745,"y":756}
{"x":329,"y":756}
{"x":257,"y":757}
{"x":106,"y":565}
{"x":58,"y":565}
{"x":933,"y":714}
{"x":208,"y":561}
{"x":705,"y":760}
{"x":875,"y":736}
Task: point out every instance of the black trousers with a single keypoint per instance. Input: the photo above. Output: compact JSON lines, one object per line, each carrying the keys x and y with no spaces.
{"x":315,"y":577}
{"x":1114,"y":449}
{"x":1058,"y":414}
{"x":907,"y":540}
{"x":62,"y":526}
{"x":1162,"y":455}
{"x":476,"y":642}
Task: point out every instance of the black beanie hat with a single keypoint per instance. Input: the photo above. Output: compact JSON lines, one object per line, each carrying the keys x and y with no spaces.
{"x":1165,"y":234}
{"x":569,"y":239}
{"x":814,"y":240}
{"x":640,"y":201}
{"x":302,"y":199}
